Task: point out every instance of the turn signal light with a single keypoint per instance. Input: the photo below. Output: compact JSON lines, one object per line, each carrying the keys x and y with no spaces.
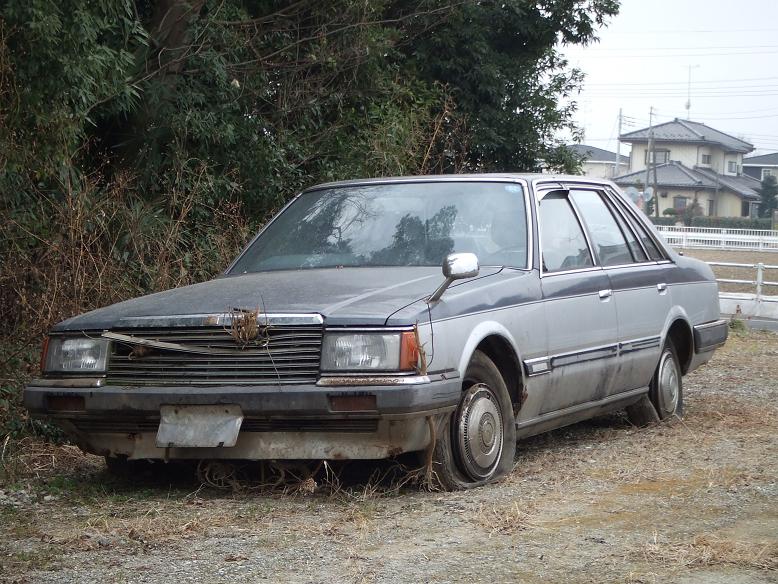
{"x":409,"y":351}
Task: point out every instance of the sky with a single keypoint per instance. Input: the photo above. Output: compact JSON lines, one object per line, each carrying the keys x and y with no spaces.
{"x":643,"y":58}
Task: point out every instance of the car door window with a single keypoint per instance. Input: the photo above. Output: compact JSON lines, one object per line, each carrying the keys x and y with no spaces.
{"x":634,"y":246}
{"x":648,"y":243}
{"x":609,"y":242}
{"x":562,"y":238}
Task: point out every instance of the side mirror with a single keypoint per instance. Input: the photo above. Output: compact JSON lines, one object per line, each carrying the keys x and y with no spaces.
{"x":456,"y":266}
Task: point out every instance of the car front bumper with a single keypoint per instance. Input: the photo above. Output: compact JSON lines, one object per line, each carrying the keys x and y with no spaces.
{"x":339,"y":418}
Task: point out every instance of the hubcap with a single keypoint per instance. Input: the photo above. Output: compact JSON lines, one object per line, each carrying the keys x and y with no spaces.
{"x":480,"y":431}
{"x":668,"y":383}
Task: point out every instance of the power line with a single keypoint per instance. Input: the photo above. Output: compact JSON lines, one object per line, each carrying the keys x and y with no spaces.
{"x":687,"y":48}
{"x":649,"y":83}
{"x":676,"y":55}
{"x":671,"y":92}
{"x":675,"y":96}
{"x":686,"y":31}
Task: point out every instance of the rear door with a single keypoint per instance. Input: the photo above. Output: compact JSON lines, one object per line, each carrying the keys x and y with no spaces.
{"x":637,"y":281}
{"x":643,"y":301}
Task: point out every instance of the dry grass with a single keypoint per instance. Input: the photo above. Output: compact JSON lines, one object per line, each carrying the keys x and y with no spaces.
{"x":711,"y":550}
{"x":584,"y":500}
{"x":506,"y":519}
{"x":739,"y":257}
{"x":103,"y":243}
{"x":32,"y":458}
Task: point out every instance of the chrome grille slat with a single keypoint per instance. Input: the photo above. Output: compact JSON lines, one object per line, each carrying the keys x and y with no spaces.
{"x":286,"y":354}
{"x":308,"y":352}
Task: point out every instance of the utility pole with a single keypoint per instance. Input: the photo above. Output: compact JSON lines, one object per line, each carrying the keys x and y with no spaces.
{"x":689,"y":92}
{"x":650,"y":158}
{"x":616,"y":171}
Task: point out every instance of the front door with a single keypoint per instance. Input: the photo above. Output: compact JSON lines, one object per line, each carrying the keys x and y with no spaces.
{"x":581,"y":322}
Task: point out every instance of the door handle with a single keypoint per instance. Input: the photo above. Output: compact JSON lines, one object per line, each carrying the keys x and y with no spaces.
{"x":605,"y":294}
{"x":661,"y":288}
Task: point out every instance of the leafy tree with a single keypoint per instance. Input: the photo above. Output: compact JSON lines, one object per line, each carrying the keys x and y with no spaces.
{"x":164,"y":121}
{"x":769,"y":194}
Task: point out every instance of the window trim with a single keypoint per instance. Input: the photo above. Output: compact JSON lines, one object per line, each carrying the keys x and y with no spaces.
{"x":623,"y":212}
{"x":685,"y":203}
{"x":656,"y":151}
{"x":542,"y":187}
{"x":596,"y":257}
{"x":634,"y":213}
{"x":623,"y":223}
{"x":543,"y":272}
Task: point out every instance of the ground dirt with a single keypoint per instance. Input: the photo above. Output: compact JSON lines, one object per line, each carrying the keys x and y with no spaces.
{"x":690,"y":502}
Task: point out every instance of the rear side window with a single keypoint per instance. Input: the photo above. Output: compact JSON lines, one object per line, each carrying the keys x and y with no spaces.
{"x":562,"y":238}
{"x":609,"y":242}
{"x":632,"y":242}
{"x":648,"y":242}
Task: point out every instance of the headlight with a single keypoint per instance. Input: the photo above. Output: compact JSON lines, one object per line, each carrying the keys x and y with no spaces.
{"x":75,"y":355}
{"x":369,"y":351}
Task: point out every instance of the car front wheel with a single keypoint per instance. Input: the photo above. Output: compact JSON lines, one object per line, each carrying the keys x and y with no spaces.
{"x":476,"y":444}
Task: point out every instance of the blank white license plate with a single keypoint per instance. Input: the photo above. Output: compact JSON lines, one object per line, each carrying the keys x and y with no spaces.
{"x":199,"y":426}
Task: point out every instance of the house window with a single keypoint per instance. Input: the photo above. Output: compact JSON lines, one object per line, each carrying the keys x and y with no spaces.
{"x":732,"y":167}
{"x":705,"y":159}
{"x":745,"y":209}
{"x":766,"y":172}
{"x":662,"y":156}
{"x":679,"y":203}
{"x":711,"y":207}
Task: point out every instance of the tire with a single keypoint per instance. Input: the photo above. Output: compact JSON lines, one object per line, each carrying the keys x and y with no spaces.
{"x":665,"y":392}
{"x":476,"y":443}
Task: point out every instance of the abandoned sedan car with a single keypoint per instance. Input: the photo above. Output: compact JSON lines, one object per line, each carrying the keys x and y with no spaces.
{"x":334,"y":334}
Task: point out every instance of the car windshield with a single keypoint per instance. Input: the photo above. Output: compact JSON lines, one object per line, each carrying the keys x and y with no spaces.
{"x":400,"y":224}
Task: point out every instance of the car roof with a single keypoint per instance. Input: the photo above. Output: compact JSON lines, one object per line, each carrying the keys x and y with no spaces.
{"x":531,"y":178}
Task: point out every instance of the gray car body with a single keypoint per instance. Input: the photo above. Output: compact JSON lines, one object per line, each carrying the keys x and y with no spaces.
{"x":570,"y":344}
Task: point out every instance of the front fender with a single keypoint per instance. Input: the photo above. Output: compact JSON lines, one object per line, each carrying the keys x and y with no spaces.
{"x":478,"y":334}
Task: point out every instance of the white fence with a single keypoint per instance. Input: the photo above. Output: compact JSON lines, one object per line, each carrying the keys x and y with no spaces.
{"x":718,"y":238}
{"x":747,"y":304}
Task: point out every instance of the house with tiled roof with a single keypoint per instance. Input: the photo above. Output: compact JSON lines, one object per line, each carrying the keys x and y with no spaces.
{"x":761,"y":166}
{"x":693,"y":163}
{"x":599,"y":163}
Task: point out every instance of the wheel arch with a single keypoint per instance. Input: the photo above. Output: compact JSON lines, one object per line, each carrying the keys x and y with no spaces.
{"x":496,"y":343}
{"x":680,"y":333}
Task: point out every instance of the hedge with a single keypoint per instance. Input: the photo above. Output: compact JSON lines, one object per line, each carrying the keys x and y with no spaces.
{"x":664,"y":220}
{"x":732,"y":222}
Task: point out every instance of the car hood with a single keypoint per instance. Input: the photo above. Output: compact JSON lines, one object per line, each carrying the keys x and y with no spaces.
{"x":364,"y":296}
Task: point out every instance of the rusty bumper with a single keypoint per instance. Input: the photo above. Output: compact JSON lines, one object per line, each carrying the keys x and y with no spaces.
{"x":327,"y":421}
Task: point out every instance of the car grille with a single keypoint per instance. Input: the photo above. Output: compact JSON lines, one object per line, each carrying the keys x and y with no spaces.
{"x":281,"y":354}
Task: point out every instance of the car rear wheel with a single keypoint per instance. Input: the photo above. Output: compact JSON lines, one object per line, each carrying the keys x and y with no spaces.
{"x":477,"y":442}
{"x":665,"y":392}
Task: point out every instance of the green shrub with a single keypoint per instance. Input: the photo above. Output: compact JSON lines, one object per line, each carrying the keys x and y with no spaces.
{"x":663,"y":220}
{"x":731,"y":222}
